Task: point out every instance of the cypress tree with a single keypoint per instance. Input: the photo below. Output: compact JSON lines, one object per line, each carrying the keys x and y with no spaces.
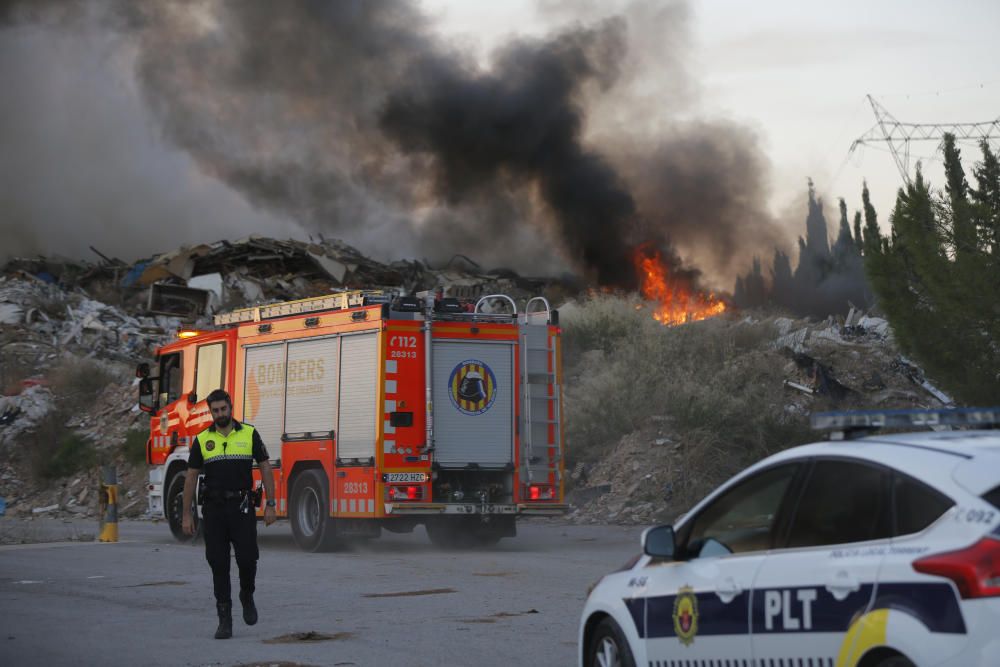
{"x":933,"y":283}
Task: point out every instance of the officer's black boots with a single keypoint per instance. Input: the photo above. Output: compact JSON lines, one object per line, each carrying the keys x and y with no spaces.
{"x":249,"y":608}
{"x":225,"y":629}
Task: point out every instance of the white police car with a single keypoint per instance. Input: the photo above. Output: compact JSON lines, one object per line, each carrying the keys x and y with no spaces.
{"x":874,"y":552}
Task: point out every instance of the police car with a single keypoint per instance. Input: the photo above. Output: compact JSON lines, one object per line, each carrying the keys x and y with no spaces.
{"x":876,"y":551}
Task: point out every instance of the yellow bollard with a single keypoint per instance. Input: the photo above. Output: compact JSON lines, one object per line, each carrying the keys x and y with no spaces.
{"x":109,"y":504}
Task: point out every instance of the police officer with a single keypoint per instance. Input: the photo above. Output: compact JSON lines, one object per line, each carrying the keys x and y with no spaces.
{"x":226,"y":450}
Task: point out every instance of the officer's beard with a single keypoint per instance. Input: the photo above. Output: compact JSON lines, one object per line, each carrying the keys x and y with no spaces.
{"x":223,"y":422}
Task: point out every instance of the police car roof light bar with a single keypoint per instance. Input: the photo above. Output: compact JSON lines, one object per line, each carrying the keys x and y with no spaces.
{"x":847,"y":424}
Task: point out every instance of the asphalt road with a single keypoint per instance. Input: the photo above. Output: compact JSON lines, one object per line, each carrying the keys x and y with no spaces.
{"x":396,"y":601}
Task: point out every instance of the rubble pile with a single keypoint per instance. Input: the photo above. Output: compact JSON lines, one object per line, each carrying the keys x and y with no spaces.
{"x":839,"y":363}
{"x":634,"y":483}
{"x":255,"y":270}
{"x":39,"y":321}
{"x":854,"y":360}
{"x":113,"y":413}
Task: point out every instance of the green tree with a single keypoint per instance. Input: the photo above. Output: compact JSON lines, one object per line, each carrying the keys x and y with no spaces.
{"x":957,"y":206}
{"x":844,"y":250}
{"x":872,"y":234}
{"x":986,"y":198}
{"x":933,"y":282}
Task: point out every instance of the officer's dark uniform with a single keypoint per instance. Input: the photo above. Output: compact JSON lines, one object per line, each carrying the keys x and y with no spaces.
{"x":228,"y":512}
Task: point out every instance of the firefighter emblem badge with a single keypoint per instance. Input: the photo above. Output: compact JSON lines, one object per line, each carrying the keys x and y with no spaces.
{"x":209,"y":445}
{"x":686,"y":615}
{"x":472,"y":387}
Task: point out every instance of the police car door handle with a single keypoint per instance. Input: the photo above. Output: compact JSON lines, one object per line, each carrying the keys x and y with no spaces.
{"x":841,"y":584}
{"x":728,"y":589}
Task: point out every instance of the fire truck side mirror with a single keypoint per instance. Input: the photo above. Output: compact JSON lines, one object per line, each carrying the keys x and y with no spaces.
{"x":142,"y":370}
{"x":192,"y":398}
{"x":147,"y":395}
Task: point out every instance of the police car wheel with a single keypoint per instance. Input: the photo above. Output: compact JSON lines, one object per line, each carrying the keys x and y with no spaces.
{"x":896,"y":661}
{"x":608,"y":647}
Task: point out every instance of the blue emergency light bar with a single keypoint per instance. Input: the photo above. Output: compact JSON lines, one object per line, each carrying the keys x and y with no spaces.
{"x":869,"y":420}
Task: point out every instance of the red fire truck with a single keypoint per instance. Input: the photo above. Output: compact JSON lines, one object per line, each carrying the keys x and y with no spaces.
{"x":377,"y":412}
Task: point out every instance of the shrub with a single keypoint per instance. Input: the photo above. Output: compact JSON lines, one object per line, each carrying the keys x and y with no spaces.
{"x":133,"y":447}
{"x":68,"y":454}
{"x":76,"y":382}
{"x":717,"y":381}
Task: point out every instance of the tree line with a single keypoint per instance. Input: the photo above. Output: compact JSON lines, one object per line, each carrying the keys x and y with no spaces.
{"x":935,"y":275}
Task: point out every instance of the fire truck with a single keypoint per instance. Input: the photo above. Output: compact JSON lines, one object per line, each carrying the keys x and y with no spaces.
{"x":378,"y":412}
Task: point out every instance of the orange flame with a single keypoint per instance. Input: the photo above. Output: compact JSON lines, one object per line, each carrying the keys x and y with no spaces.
{"x":676,"y":301}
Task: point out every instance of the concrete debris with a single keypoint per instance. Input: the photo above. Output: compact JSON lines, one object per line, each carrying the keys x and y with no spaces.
{"x":22,"y":412}
{"x":874,"y":325}
{"x":783,"y":325}
{"x":11,"y":313}
{"x":795,"y":341}
{"x":913,"y":372}
{"x":800,"y":387}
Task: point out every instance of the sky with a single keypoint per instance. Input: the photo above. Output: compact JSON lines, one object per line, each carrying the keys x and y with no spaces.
{"x":114,"y":140}
{"x":798,"y":73}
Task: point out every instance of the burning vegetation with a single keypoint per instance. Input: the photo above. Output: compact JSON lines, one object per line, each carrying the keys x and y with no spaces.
{"x":675,"y":297}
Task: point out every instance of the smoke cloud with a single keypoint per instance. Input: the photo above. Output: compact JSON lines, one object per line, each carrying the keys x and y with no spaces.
{"x":198,"y":120}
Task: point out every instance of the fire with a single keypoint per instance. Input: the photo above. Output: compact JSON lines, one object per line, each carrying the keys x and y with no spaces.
{"x":676,"y":301}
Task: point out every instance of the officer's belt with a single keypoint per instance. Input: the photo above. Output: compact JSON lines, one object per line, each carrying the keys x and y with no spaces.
{"x":220,"y":494}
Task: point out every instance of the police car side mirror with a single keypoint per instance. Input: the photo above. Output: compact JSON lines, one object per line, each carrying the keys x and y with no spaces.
{"x":658,"y":542}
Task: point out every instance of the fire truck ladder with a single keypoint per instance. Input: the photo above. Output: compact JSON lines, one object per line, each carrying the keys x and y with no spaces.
{"x":335,"y":301}
{"x":541,"y":419}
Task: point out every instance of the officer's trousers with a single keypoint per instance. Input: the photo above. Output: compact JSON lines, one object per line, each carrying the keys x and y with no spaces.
{"x":225,"y":523}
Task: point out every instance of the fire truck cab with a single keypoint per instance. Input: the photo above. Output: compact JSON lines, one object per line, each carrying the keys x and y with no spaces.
{"x":377,"y":413}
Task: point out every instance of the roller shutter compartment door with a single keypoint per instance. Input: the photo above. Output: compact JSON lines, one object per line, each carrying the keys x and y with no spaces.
{"x":264,"y":392}
{"x":358,"y":396}
{"x":311,"y":388}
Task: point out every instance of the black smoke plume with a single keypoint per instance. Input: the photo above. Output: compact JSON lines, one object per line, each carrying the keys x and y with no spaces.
{"x":358,"y":120}
{"x":519,"y":126}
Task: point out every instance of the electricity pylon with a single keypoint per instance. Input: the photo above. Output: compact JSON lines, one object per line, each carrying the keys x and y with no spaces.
{"x":898,"y":135}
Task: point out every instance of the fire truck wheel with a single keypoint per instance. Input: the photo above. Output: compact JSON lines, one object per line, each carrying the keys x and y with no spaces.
{"x":175,"y":501}
{"x":312,"y":526}
{"x":444,"y":534}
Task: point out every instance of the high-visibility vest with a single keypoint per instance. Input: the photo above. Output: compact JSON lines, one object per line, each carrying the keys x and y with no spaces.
{"x":238,"y":445}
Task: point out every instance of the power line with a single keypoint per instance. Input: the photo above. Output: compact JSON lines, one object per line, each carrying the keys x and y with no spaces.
{"x":898,"y":136}
{"x":959,"y":89}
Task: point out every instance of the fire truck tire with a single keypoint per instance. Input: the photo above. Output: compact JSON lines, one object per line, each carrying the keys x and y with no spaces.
{"x":175,"y":500}
{"x":444,"y":534}
{"x":312,"y":527}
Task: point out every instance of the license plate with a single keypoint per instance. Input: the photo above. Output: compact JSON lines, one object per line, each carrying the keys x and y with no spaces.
{"x":405,"y":477}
